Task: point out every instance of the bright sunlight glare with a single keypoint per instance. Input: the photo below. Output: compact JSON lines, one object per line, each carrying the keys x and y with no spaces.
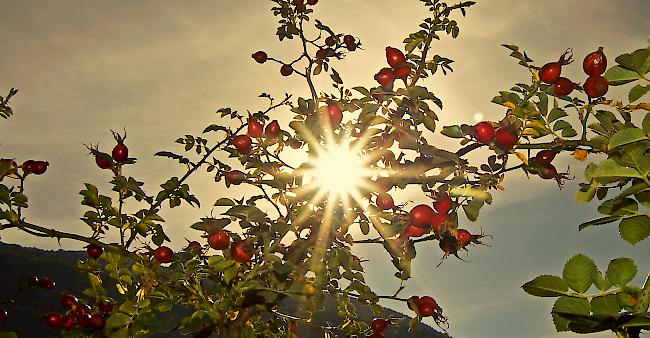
{"x":340,"y":171}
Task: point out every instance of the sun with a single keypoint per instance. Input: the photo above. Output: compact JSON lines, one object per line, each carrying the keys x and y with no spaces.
{"x":340,"y":171}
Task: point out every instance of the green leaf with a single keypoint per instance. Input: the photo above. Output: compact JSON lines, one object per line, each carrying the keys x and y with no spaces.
{"x":472,"y":209}
{"x":637,"y":92}
{"x":8,"y":335}
{"x":605,"y":305}
{"x":588,"y":195}
{"x":620,"y":271}
{"x":227,"y":202}
{"x":600,"y":281}
{"x":117,"y":320}
{"x":617,"y":76}
{"x":248,"y":213}
{"x":568,"y":305}
{"x":646,"y":124}
{"x":577,"y":272}
{"x":555,"y":114}
{"x":635,"y":229}
{"x":638,"y":320}
{"x":452,"y":131}
{"x":626,"y":136}
{"x":637,"y":61}
{"x":546,"y":286}
{"x":598,"y":221}
{"x":610,"y":169}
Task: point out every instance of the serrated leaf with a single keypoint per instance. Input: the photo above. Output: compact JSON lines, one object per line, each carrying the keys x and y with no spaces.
{"x":600,"y":281}
{"x":546,"y":286}
{"x":636,"y":61}
{"x":637,"y":92}
{"x":617,"y":76}
{"x":635,"y":229}
{"x":577,"y":272}
{"x":610,"y":169}
{"x":568,"y":305}
{"x":605,"y":305}
{"x":556,"y":113}
{"x":626,"y":136}
{"x":620,"y":271}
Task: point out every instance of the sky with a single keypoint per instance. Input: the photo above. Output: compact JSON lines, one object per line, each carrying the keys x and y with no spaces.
{"x":161,"y":70}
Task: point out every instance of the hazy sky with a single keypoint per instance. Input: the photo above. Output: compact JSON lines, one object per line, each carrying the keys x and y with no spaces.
{"x":160,"y":69}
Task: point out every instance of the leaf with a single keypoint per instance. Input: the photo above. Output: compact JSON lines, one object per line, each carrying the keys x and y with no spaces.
{"x":646,"y":124}
{"x":472,"y":209}
{"x":635,"y":61}
{"x":620,"y":271}
{"x":546,"y":286}
{"x":227,"y":202}
{"x":8,"y":335}
{"x":117,"y":320}
{"x":638,"y":320}
{"x":555,"y":114}
{"x":598,"y":221}
{"x":637,"y":92}
{"x":635,"y":229}
{"x":452,"y":131}
{"x":617,"y":76}
{"x":626,"y":136}
{"x":568,"y":305}
{"x":577,"y":272}
{"x":600,"y":281}
{"x":248,"y":213}
{"x":609,"y":169}
{"x":605,"y":305}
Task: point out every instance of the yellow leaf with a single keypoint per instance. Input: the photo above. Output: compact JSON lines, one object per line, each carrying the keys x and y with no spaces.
{"x":522,"y":157}
{"x":509,"y":105}
{"x":580,"y":154}
{"x":121,"y":288}
{"x":536,"y":78}
{"x":530,"y":132}
{"x":232,"y":315}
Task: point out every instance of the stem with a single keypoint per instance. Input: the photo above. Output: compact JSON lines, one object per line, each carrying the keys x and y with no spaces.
{"x":423,"y":60}
{"x":308,"y":71}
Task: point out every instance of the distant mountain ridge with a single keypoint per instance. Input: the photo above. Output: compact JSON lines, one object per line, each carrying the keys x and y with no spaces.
{"x":18,"y":263}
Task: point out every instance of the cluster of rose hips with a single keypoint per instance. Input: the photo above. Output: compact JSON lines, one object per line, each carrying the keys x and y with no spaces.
{"x":541,"y":165}
{"x":35,"y":167}
{"x":241,"y":251}
{"x":119,"y":154}
{"x":505,"y":137}
{"x":399,"y":68}
{"x":41,"y":282}
{"x":332,"y":44}
{"x":243,"y":144}
{"x":29,"y":167}
{"x":594,"y":65}
{"x":79,"y":314}
{"x":33,"y":281}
